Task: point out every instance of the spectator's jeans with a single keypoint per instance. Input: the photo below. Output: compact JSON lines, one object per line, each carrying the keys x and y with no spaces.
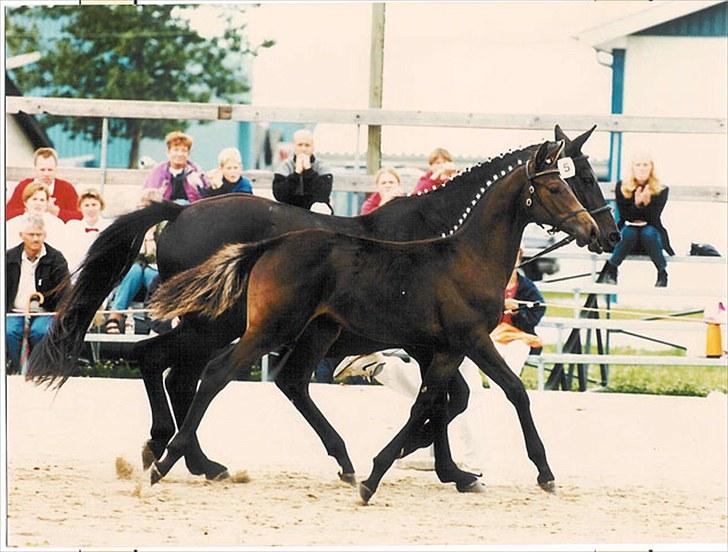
{"x":131,"y":284}
{"x":632,"y":236}
{"x":39,"y":326}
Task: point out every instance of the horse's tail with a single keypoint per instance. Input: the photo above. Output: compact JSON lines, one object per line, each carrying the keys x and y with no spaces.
{"x":110,"y":256}
{"x":212,"y":287}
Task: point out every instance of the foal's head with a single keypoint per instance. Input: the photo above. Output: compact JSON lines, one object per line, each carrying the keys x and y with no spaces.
{"x":548,"y":198}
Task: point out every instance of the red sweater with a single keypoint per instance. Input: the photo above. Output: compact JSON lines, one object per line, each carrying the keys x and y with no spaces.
{"x":63,"y":192}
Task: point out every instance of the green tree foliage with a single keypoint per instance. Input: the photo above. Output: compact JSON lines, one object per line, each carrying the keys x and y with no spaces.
{"x":134,"y":53}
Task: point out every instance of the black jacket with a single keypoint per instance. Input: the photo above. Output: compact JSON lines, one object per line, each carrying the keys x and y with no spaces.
{"x":650,"y":214}
{"x":52,"y":271}
{"x":526,"y":319}
{"x":305,"y":189}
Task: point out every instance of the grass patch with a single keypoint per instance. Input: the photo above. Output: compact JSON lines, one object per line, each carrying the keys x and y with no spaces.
{"x":568,"y":311}
{"x":696,"y":381}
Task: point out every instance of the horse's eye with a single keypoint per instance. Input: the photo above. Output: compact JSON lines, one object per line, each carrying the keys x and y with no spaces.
{"x":554,"y":187}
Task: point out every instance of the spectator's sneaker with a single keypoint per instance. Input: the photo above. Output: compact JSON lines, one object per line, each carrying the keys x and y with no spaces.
{"x":367,"y":366}
{"x":661,"y":279}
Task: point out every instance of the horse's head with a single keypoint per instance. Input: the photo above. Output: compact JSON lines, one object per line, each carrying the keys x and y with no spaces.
{"x":586,"y":188}
{"x":548,"y":199}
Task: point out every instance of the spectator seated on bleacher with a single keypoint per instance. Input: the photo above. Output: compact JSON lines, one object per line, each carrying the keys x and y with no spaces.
{"x":142,"y":273}
{"x":63,"y":201}
{"x":80,"y":234}
{"x":30,"y":268}
{"x":36,"y":202}
{"x":640,"y":202}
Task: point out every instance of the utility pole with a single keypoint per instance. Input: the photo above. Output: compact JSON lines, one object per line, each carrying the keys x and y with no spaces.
{"x":376,"y":70}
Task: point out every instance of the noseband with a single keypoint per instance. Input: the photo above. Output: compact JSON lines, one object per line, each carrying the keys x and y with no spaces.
{"x":532,"y":196}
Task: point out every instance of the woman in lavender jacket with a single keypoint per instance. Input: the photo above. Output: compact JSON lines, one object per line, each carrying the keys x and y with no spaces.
{"x":178,"y":179}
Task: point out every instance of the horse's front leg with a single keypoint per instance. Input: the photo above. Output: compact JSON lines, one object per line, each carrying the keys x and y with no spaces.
{"x":294,"y":377}
{"x":485,"y":355}
{"x":433,"y":387}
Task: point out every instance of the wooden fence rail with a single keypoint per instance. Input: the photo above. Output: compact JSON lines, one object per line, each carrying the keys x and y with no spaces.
{"x":240,"y":112}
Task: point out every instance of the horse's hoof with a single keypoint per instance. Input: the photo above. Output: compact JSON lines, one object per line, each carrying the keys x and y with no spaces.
{"x":222,"y":476}
{"x":548,"y":486}
{"x":349,"y":478}
{"x":365,"y":493}
{"x":155,"y":475}
{"x":148,"y":456}
{"x":476,"y":486}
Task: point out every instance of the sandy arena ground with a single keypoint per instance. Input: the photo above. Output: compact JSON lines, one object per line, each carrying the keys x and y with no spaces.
{"x":629,"y":468}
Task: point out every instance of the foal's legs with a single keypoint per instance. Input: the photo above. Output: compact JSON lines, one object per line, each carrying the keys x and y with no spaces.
{"x":435,"y":382}
{"x":492,"y":364}
{"x":294,"y":378}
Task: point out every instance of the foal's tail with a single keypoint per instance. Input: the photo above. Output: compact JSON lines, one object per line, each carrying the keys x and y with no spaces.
{"x":212,"y":287}
{"x":110,"y":256}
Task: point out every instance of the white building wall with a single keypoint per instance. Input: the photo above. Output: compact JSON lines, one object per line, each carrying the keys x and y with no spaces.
{"x":18,"y":149}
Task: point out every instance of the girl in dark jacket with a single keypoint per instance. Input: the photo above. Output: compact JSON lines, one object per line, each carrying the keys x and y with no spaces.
{"x":640,"y":201}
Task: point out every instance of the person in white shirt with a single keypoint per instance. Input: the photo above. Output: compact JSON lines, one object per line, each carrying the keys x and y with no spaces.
{"x":80,"y":234}
{"x":36,"y":200}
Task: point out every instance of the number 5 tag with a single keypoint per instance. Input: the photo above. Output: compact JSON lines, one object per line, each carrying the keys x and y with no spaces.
{"x":566,"y":167}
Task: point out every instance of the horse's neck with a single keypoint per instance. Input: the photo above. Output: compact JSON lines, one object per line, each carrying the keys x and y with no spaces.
{"x":495,"y":226}
{"x":438,"y":211}
{"x":421,"y":217}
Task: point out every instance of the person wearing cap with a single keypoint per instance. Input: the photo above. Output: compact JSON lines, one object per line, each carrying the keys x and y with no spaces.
{"x":63,"y":197}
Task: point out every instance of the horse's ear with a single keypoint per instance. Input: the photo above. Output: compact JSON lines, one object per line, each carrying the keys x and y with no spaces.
{"x":541,"y":155}
{"x":560,"y":135}
{"x":579,"y":141}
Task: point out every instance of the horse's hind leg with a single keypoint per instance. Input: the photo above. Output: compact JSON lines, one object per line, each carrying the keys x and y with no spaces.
{"x":219,"y":371}
{"x":294,"y":378}
{"x":447,"y":408}
{"x":492,"y":364}
{"x":152,"y":358}
{"x":193,"y":350}
{"x":434,"y":385}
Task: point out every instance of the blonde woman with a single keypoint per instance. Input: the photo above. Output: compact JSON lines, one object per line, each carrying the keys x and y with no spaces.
{"x":228,"y":176}
{"x":388,"y":186}
{"x":640,"y":201}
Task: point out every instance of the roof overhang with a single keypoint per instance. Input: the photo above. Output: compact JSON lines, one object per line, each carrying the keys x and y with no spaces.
{"x":614,"y":34}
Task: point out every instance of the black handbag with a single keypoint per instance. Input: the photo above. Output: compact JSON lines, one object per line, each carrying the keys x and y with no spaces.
{"x":703,"y":250}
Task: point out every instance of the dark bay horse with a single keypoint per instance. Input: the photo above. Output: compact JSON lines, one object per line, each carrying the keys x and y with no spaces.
{"x":198,"y":230}
{"x":446,"y":293}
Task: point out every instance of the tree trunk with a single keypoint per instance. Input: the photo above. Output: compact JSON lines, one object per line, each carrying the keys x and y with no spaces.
{"x":136,"y":139}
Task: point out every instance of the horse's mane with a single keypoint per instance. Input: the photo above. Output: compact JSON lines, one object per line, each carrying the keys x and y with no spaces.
{"x":481,"y":177}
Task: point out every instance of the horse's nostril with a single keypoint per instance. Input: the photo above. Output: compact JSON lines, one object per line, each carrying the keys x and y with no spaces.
{"x":615,"y":237}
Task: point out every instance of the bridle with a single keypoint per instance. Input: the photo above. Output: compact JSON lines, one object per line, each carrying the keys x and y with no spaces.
{"x":532,"y":196}
{"x":530,"y":200}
